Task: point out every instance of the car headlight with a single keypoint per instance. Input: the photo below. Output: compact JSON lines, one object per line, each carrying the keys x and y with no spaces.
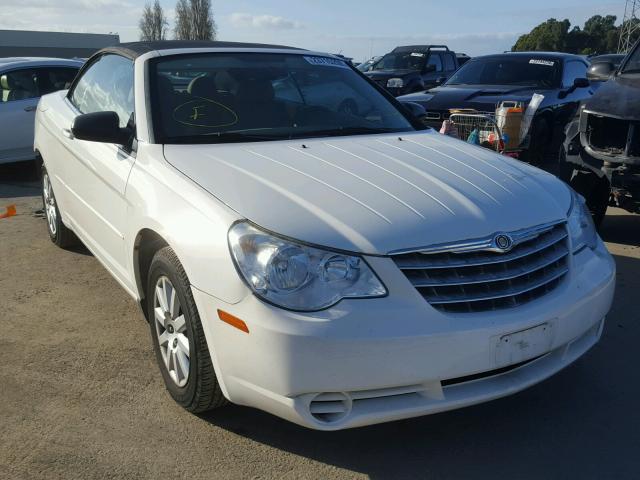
{"x":296,"y":276}
{"x":580,"y":224}
{"x":395,"y":83}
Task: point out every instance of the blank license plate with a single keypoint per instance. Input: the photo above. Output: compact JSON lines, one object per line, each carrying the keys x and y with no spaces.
{"x":520,"y":346}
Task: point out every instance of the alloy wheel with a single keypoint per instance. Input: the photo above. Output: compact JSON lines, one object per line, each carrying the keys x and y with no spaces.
{"x":49,"y":204}
{"x":171,"y":330}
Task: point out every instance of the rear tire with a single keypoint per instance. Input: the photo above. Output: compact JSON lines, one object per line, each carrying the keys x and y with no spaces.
{"x":58,"y":232}
{"x":178,"y":338}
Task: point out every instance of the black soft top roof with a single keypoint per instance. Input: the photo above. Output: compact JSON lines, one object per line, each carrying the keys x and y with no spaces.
{"x":136,"y":49}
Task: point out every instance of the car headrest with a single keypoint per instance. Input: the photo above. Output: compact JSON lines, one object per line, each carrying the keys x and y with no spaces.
{"x":6,"y":82}
{"x":204,"y":87}
{"x":19,"y":82}
{"x":255,"y":90}
{"x":226,"y":83}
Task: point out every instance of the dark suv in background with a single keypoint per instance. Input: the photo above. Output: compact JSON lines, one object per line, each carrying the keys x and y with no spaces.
{"x":484,"y":82}
{"x":413,"y":68}
{"x":602,"y":150}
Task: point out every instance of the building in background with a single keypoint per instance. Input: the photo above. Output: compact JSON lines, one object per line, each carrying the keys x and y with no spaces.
{"x":23,"y":43}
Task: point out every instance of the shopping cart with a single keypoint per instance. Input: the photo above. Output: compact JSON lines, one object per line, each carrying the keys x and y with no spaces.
{"x":479,"y":129}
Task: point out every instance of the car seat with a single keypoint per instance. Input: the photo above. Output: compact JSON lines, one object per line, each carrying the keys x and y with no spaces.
{"x":17,"y":87}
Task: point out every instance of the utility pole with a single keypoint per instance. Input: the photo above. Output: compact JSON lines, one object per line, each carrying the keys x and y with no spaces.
{"x":630,"y":25}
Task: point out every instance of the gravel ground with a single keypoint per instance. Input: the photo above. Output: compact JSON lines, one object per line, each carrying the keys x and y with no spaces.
{"x":82,"y":397}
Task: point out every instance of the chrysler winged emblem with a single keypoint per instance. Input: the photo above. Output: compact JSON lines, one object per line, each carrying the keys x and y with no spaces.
{"x":503,"y":242}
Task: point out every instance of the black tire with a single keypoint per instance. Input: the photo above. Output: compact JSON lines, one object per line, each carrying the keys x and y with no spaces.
{"x":538,"y":144}
{"x":565,"y":169}
{"x":58,"y":231}
{"x":596,"y":192}
{"x":202,"y":391}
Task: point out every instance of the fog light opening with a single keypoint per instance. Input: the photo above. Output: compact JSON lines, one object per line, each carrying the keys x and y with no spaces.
{"x":330,"y":407}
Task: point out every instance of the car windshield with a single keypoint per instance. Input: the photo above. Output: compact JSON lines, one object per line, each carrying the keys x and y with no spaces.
{"x":401,"y":61}
{"x":368,"y":65}
{"x":509,"y":70}
{"x":632,"y":65}
{"x":227,"y":97}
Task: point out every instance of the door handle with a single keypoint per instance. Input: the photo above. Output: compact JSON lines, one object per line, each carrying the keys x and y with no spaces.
{"x":30,"y":108}
{"x":67,"y":133}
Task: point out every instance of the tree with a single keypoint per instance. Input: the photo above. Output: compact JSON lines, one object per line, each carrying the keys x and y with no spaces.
{"x":548,"y":36}
{"x":153,"y":24}
{"x":194,"y":20}
{"x":599,"y":35}
{"x":603,"y":33}
{"x":183,"y":21}
{"x":204,"y":28}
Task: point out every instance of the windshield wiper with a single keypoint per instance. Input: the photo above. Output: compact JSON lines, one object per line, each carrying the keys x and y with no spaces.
{"x":231,"y":137}
{"x":223,"y":137}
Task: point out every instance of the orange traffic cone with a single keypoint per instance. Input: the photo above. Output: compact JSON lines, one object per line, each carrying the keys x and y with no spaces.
{"x":11,"y":211}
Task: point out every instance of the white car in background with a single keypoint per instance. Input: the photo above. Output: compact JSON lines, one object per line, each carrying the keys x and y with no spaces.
{"x":335,"y":269}
{"x":22,"y":82}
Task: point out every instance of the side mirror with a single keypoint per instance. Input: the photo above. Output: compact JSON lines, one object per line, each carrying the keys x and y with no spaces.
{"x":577,"y":83}
{"x":429,"y":68}
{"x":415,"y":109}
{"x":103,"y":127}
{"x":441,"y":80}
{"x":600,"y":71}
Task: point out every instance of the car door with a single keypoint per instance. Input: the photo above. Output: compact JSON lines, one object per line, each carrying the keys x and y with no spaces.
{"x":430,"y":79}
{"x":18,"y":101}
{"x":449,"y":64}
{"x":95,"y":174}
{"x":568,"y":106}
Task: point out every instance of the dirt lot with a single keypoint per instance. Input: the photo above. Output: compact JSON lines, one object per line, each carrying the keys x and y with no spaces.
{"x":82,"y":397}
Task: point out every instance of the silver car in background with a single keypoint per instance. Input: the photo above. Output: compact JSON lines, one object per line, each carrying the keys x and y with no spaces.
{"x":22,"y":82}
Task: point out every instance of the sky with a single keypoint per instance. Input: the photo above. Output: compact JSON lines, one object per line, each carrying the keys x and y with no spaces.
{"x":355,"y":28}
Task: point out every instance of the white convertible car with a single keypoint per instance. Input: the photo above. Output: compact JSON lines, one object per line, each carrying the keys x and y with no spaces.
{"x":335,"y":268}
{"x":22,"y":82}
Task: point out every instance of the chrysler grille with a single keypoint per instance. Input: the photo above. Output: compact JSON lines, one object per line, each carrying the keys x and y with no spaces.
{"x":468,"y":278}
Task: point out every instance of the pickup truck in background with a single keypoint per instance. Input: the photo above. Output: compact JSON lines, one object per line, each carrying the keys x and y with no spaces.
{"x":602,"y":148}
{"x":413,"y":68}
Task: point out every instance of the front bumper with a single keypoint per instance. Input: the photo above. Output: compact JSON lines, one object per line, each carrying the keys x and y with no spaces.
{"x":375,"y":360}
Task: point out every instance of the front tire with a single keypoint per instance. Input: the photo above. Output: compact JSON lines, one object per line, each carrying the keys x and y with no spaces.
{"x":178,"y":338}
{"x":596,"y":192}
{"x":58,"y":232}
{"x":540,"y":138}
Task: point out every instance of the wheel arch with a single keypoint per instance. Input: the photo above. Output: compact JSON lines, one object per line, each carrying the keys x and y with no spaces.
{"x":38,"y":162}
{"x":145,"y":246}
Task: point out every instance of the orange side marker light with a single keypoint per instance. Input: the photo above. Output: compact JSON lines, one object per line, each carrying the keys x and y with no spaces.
{"x":11,"y":211}
{"x":233,"y":321}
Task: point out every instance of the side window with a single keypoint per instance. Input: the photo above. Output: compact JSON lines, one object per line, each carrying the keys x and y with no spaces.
{"x":449,"y":64}
{"x":52,"y":79}
{"x":107,"y":85}
{"x":573,"y":70}
{"x":434,"y":59}
{"x":18,"y":85}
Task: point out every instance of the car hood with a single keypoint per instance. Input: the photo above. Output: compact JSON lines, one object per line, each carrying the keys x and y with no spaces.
{"x":386,"y":74}
{"x":619,"y":97}
{"x":479,"y":97}
{"x":376,"y":193}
